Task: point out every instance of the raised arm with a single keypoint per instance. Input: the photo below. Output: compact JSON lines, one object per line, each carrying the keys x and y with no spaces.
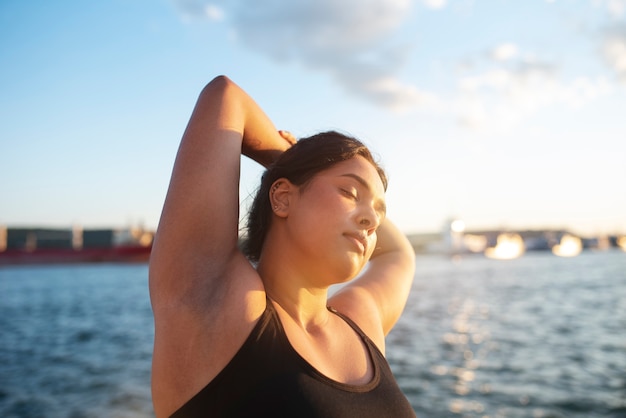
{"x":197,"y":233}
{"x":376,"y":299}
{"x":205,"y":295}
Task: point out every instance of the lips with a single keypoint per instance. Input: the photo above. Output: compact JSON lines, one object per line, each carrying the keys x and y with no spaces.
{"x":358,"y":240}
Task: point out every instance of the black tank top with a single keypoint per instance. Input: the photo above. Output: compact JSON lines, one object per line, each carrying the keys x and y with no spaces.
{"x":268,"y":378}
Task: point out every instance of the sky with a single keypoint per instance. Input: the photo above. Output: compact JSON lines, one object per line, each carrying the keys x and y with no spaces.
{"x":503,"y":113}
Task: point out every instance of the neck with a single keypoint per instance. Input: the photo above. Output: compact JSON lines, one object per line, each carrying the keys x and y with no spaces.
{"x":294,"y":293}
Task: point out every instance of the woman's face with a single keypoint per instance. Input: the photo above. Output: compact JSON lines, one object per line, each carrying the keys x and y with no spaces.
{"x":333,"y":219}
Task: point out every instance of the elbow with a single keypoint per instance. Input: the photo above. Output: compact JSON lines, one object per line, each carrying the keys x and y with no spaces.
{"x":220,"y":83}
{"x":217,"y":91}
{"x":221,"y":80}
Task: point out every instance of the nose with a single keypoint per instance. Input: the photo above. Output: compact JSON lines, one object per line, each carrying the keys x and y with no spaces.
{"x":369,"y":220}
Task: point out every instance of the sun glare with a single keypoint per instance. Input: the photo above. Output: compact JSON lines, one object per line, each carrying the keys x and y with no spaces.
{"x":508,"y":246}
{"x":457,"y":226}
{"x":569,"y":246}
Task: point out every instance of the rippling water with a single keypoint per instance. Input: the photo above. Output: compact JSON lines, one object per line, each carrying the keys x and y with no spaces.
{"x":75,"y":341}
{"x":539,"y":336}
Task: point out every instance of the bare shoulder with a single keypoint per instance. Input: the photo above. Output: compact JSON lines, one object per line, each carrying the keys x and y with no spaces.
{"x":357,"y":304}
{"x":197,"y":336}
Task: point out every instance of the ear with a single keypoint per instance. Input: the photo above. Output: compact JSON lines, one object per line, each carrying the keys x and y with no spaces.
{"x":280,"y":196}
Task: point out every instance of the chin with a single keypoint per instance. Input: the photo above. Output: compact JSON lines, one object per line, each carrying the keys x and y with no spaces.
{"x":341,"y":269}
{"x":350,"y":272}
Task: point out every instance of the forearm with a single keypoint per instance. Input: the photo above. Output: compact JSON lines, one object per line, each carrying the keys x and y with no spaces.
{"x":391,"y":240}
{"x":236,"y":110}
{"x":391,"y":270}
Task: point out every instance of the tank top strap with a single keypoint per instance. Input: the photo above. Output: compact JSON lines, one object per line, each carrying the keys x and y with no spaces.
{"x":350,"y":322}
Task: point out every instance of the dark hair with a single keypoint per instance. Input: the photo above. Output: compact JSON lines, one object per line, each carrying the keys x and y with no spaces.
{"x":299,"y":164}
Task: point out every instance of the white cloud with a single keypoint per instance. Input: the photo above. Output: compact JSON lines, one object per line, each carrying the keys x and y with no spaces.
{"x":353,"y":42}
{"x":504,"y":52}
{"x":616,"y":8}
{"x":392,"y":93}
{"x":199,"y":9}
{"x":435,"y":4}
{"x":214,"y":13}
{"x":348,"y":39}
{"x":319,"y":30}
{"x":499,"y":97}
{"x":613,"y":49}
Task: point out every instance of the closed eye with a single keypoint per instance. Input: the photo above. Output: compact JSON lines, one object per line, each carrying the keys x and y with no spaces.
{"x":349,"y":193}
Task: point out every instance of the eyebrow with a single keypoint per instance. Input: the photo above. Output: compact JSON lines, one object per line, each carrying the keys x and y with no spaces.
{"x":380,"y":204}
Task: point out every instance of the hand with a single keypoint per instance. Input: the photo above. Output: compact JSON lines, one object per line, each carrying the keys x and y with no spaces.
{"x":288,"y":136}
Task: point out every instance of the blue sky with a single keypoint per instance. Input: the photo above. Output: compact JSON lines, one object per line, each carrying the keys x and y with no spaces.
{"x":505,"y":113}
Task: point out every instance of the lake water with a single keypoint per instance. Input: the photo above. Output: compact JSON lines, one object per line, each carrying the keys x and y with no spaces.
{"x":539,"y":336}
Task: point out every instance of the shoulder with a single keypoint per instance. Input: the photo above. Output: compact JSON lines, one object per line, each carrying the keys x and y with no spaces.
{"x":358,"y":305}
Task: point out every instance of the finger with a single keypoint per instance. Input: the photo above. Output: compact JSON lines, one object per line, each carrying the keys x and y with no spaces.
{"x":288,"y":136}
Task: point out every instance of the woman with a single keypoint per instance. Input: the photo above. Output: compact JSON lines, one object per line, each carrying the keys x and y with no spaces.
{"x":237,"y":339}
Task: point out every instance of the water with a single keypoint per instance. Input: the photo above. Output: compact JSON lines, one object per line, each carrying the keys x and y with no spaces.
{"x":75,"y":341}
{"x":539,"y":336}
{"x":536,"y":337}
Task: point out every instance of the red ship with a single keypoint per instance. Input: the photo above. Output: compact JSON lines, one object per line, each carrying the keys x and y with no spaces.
{"x":65,"y":246}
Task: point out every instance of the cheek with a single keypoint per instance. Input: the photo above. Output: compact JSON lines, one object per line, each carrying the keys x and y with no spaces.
{"x":322,"y":202}
{"x":317,"y":215}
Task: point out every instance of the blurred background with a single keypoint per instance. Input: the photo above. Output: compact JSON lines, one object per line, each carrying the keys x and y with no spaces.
{"x":499,"y":122}
{"x":501,"y":113}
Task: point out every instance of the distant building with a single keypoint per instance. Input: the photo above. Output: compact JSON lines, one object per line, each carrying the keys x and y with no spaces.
{"x":454,"y":238}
